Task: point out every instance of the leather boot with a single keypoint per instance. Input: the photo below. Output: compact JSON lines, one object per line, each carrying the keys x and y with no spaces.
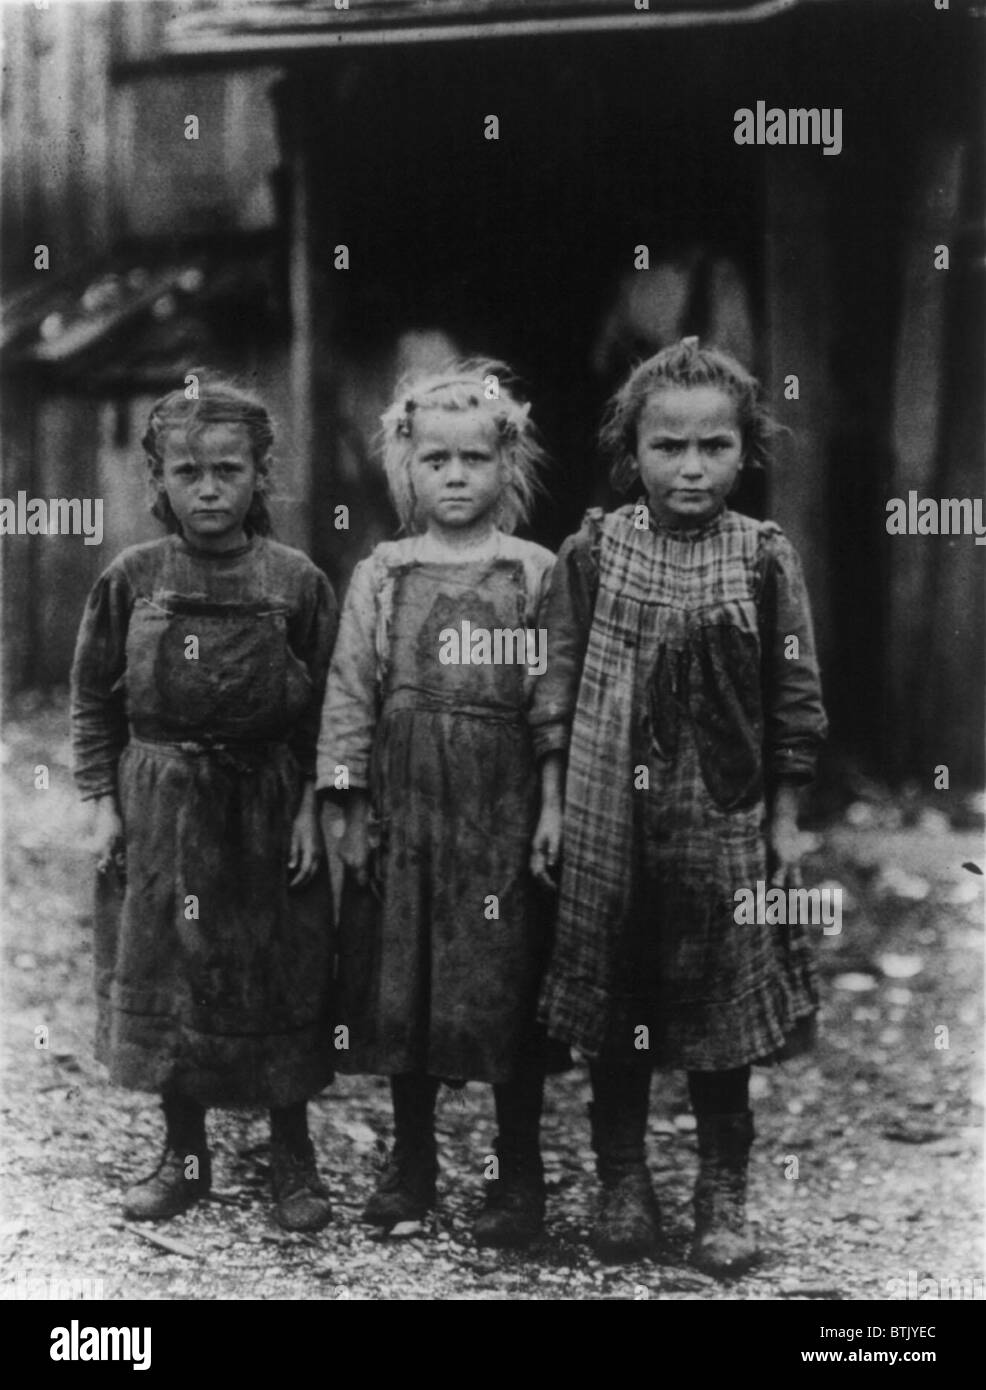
{"x":628,"y":1221}
{"x":406,"y":1190}
{"x":301,"y":1199}
{"x":513,"y":1214}
{"x":184,"y":1173}
{"x":407,"y":1187}
{"x":723,"y":1243}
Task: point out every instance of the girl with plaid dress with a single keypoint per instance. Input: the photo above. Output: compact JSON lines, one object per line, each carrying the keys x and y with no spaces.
{"x":680,"y":719}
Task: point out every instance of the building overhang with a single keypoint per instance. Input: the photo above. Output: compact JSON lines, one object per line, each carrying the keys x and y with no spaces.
{"x":231,"y":33}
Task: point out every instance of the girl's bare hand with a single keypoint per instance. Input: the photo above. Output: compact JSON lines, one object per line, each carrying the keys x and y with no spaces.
{"x":107,"y":835}
{"x":786,"y":845}
{"x":546,"y":847}
{"x":354,"y":845}
{"x":306,"y":847}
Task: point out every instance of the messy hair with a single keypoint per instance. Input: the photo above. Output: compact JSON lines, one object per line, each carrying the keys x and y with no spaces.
{"x":475,"y":384}
{"x":217,"y":401}
{"x":684,"y":364}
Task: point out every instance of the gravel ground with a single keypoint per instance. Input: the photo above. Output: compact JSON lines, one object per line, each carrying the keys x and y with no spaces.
{"x":867,"y":1169}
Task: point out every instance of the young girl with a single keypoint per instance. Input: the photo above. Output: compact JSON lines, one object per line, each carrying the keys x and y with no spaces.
{"x":198,"y":678}
{"x":682,"y":690}
{"x":429,"y":734}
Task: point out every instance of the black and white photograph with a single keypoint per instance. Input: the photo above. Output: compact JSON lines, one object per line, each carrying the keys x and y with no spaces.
{"x":493,"y":677}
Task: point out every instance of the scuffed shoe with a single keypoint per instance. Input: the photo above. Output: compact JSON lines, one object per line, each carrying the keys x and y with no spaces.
{"x":723,"y":1243}
{"x":168,"y":1191}
{"x":301,"y":1199}
{"x":406,"y":1190}
{"x":628,"y":1224}
{"x":513,"y":1215}
{"x":723,"y":1253}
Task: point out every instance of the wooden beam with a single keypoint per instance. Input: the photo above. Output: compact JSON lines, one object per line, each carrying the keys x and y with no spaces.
{"x":921,"y":359}
{"x":302,"y":296}
{"x":798,"y":306}
{"x":224,"y":44}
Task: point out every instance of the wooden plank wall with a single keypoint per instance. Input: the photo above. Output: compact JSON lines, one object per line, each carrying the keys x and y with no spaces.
{"x":89,"y":164}
{"x":57,"y":179}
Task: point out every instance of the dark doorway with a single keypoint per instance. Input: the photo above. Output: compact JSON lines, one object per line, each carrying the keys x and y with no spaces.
{"x":522,"y":247}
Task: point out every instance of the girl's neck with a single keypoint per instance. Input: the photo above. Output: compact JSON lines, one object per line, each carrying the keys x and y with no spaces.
{"x":463,"y":539}
{"x":217,"y":545}
{"x":666,"y":520}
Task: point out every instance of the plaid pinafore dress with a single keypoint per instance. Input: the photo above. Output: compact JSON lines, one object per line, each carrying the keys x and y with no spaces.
{"x":665,"y":812}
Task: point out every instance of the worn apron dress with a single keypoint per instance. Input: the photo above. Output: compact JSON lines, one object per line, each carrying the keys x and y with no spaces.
{"x":441,"y":959}
{"x":212,"y":977}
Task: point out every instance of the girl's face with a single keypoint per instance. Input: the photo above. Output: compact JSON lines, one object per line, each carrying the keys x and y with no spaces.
{"x":689,"y":452}
{"x":210,"y":477}
{"x":456,"y":471}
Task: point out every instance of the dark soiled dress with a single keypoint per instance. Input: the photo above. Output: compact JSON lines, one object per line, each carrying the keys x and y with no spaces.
{"x":213,"y":978}
{"x":672,"y":688}
{"x":441,"y":975}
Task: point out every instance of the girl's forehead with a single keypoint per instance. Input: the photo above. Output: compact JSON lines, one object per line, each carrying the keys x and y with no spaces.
{"x":204,"y":439}
{"x":459,"y":427}
{"x":702,"y":408}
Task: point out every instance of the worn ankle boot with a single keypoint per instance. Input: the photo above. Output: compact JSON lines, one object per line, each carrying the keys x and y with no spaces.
{"x":628,"y":1220}
{"x":513,"y":1214}
{"x":723,"y":1244}
{"x":184,"y":1173}
{"x":407,"y":1187}
{"x":301,"y":1199}
{"x":406,"y":1190}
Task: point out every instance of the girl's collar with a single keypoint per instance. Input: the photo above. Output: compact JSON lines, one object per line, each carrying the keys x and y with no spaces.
{"x":687,"y":533}
{"x":188,"y":549}
{"x":428,"y":547}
